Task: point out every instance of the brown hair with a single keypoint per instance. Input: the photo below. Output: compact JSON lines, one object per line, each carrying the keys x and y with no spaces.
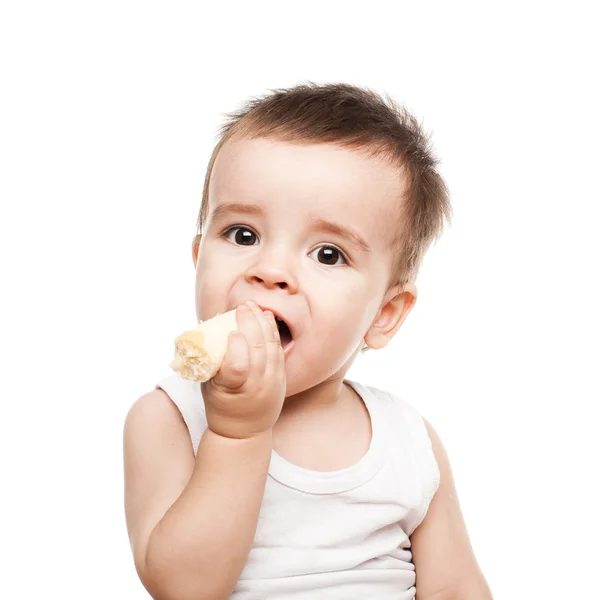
{"x":355,"y":118}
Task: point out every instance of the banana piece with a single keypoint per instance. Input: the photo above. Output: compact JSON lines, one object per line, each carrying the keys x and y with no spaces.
{"x":199,"y":352}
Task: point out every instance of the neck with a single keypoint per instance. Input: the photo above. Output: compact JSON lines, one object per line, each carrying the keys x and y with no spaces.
{"x":321,"y":397}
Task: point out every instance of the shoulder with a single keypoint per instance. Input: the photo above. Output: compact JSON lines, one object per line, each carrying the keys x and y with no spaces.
{"x":402,"y":420}
{"x":152,"y":414}
{"x":445,"y":496}
{"x":402,"y":417}
{"x":439,"y":451}
{"x":383,"y":399}
{"x":152,"y":407}
{"x":187,"y":397}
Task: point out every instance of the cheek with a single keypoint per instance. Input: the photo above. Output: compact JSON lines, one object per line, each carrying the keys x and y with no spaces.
{"x":344,"y":320}
{"x":210,"y":288}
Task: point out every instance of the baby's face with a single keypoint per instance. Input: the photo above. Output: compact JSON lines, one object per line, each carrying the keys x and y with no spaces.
{"x":274,"y":233}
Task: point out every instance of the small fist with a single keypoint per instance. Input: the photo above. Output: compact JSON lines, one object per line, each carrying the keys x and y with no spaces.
{"x":246,"y":395}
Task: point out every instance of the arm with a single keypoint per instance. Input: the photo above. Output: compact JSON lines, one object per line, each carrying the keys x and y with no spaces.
{"x":191,"y":521}
{"x":445,"y":564}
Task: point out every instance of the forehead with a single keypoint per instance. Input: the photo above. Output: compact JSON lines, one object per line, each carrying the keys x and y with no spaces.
{"x":309,"y":181}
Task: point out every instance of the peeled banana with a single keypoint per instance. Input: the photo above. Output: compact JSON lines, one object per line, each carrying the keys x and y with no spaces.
{"x":199,"y":352}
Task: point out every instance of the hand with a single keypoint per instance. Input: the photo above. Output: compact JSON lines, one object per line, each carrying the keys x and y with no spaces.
{"x":245,"y":397}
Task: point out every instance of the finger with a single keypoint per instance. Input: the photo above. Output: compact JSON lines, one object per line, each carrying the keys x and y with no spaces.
{"x":269,"y":327}
{"x":250,"y":326}
{"x":275,"y":358}
{"x":236,"y":363}
{"x":271,"y":332}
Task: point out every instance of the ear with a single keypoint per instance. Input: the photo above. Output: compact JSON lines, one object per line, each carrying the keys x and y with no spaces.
{"x":397,"y":303}
{"x":195,"y":247}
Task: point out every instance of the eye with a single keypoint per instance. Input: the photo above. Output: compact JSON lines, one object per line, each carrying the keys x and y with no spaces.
{"x":242,"y":236}
{"x":329,"y":255}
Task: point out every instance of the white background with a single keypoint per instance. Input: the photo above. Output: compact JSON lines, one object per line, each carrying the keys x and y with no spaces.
{"x":109,"y":114}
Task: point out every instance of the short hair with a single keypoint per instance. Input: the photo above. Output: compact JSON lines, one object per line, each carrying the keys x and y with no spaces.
{"x":356,"y":118}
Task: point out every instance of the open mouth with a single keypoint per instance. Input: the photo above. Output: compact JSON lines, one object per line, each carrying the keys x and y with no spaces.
{"x":284,"y":332}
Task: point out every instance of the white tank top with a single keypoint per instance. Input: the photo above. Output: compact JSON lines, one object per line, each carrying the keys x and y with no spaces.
{"x":341,"y":534}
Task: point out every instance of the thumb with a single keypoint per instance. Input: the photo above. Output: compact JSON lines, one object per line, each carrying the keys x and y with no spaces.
{"x":236,"y":362}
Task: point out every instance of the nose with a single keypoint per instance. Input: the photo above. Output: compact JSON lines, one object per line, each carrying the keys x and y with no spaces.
{"x":272,"y":271}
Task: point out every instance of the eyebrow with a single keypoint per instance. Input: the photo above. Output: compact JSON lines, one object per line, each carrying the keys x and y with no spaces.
{"x":222,"y":211}
{"x":348,"y":233}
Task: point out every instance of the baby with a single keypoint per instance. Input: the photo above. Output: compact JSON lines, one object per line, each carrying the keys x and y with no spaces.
{"x":278,"y":477}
